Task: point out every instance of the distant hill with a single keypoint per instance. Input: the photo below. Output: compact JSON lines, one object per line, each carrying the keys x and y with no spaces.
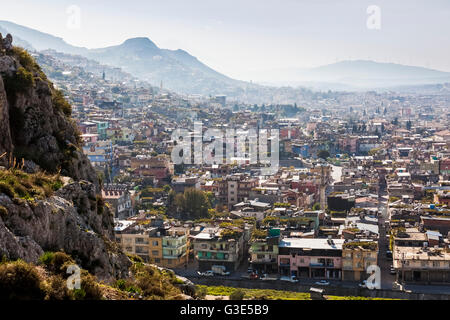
{"x":177,"y":69}
{"x":181,"y":72}
{"x":360,"y":75}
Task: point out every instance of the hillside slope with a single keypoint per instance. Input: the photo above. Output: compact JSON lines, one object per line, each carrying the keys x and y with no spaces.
{"x":40,"y":210}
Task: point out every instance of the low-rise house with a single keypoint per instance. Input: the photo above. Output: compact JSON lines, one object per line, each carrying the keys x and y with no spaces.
{"x":311,"y":258}
{"x":219,"y":246}
{"x":357,"y":256}
{"x":422,"y":265}
{"x":264,"y":250}
{"x":165,"y":246}
{"x":119,"y":198}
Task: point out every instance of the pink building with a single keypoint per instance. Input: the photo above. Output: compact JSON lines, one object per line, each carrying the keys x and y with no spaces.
{"x":311,"y":258}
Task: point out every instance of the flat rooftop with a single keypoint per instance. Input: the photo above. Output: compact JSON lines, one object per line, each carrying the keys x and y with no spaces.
{"x":306,"y":243}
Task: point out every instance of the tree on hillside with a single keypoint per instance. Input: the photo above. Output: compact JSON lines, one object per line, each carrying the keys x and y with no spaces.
{"x":193,"y":204}
{"x":324,"y":154}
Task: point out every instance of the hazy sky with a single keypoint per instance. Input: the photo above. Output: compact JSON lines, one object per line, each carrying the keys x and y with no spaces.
{"x":247,"y":38}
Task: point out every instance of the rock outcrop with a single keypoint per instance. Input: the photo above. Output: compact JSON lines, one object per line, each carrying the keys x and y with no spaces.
{"x":33,"y":126}
{"x":37,"y":131}
{"x":68,"y":221}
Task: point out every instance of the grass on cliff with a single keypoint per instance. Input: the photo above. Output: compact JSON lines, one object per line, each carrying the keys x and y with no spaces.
{"x":48,"y":279}
{"x":37,"y":186}
{"x":150,"y":282}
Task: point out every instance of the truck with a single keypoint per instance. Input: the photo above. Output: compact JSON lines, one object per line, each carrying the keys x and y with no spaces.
{"x":220,"y":270}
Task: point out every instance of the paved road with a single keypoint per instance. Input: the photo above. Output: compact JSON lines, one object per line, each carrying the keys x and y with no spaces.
{"x":387,"y":279}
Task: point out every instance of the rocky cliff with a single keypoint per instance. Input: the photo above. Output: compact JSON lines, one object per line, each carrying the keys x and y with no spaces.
{"x":38,"y":135}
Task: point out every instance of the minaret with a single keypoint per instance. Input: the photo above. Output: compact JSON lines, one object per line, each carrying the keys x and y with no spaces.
{"x":104,"y":75}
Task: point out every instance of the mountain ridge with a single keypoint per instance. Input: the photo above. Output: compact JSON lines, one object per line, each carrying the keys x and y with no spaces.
{"x":181,"y":72}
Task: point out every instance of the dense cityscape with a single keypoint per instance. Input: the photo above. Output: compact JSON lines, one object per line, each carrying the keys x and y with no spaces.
{"x":356,"y":204}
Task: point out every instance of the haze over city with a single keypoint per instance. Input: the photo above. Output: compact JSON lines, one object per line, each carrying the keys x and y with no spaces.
{"x":251,"y":40}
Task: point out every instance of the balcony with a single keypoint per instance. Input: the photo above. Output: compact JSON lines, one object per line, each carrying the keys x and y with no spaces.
{"x":264,"y":261}
{"x":174,"y":245}
{"x":321,"y":265}
{"x":174,"y":256}
{"x":273,"y":252}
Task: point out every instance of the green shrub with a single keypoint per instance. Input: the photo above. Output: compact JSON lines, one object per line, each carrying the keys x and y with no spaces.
{"x":60,"y":103}
{"x":90,"y":290}
{"x":201,"y":292}
{"x":56,"y":262}
{"x":21,"y":81}
{"x":3,"y":211}
{"x":135,"y":258}
{"x":20,"y":281}
{"x":22,"y":191}
{"x":100,"y":205}
{"x":57,"y":289}
{"x":25,"y":59}
{"x":237,"y":295}
{"x":6,"y":189}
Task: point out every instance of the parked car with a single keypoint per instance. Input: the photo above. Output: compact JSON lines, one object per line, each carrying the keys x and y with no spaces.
{"x":250,"y":270}
{"x":290,"y":279}
{"x":206,"y":274}
{"x":322,"y":283}
{"x":266,"y":277}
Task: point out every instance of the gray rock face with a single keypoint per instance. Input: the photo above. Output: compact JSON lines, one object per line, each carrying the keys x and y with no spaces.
{"x":5,"y":136}
{"x":67,"y":221}
{"x":33,"y":128}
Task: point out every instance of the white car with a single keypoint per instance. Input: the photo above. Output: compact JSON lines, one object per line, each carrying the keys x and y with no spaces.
{"x":206,"y":274}
{"x":322,"y":283}
{"x":290,"y":279}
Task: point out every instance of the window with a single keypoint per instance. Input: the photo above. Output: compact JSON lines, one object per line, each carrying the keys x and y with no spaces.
{"x":155,"y":253}
{"x":155,"y":243}
{"x":141,"y":240}
{"x":436,"y":264}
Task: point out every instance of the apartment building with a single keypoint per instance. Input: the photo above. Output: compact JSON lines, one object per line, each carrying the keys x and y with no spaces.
{"x":264,"y":252}
{"x":234,"y":189}
{"x":213,"y":246}
{"x":159,"y":167}
{"x":357,"y":256}
{"x":164,"y":246}
{"x":119,"y":199}
{"x":311,"y":258}
{"x":422,"y":265}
